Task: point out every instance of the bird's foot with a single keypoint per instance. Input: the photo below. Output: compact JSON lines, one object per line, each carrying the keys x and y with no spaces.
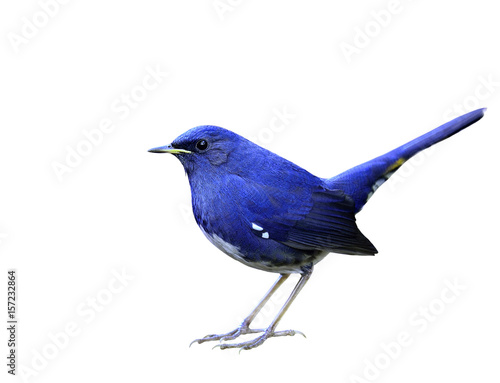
{"x":241,"y":330}
{"x":259,"y":340}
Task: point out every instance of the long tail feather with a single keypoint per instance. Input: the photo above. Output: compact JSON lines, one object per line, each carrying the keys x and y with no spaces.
{"x":361,"y":181}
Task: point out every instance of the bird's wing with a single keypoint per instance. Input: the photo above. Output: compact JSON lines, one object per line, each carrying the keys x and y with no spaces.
{"x":320,"y":219}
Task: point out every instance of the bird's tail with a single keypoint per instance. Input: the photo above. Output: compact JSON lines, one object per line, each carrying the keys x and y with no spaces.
{"x":361,"y":181}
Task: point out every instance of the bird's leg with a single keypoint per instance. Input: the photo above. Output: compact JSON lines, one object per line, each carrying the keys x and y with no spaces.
{"x":244,"y":327}
{"x":270,"y":331}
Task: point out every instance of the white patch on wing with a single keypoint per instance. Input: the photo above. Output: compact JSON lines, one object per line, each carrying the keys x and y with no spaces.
{"x":257,"y":227}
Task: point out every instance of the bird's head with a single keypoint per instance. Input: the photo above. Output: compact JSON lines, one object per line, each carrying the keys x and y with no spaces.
{"x":203,"y":148}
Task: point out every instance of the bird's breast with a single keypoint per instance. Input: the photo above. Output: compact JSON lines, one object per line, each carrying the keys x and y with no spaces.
{"x":220,"y":213}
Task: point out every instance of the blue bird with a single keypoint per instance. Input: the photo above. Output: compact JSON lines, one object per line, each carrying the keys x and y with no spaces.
{"x":270,"y":214}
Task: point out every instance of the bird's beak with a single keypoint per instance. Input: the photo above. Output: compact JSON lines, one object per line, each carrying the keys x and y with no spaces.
{"x":168,"y":149}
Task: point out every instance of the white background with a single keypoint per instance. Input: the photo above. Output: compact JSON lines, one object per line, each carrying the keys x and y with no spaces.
{"x":125,"y":210}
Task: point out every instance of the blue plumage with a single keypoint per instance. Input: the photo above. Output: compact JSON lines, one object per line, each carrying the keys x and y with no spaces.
{"x":271,"y":214}
{"x":359,"y":181}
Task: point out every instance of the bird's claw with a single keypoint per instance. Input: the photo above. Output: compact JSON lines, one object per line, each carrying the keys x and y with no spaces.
{"x":259,"y":340}
{"x":249,"y":344}
{"x":242,"y":330}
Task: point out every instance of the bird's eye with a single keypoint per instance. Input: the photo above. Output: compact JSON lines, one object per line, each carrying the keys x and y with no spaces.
{"x":201,"y":145}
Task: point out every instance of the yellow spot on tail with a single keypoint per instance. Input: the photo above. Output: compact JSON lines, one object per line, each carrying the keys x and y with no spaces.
{"x":394,"y":166}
